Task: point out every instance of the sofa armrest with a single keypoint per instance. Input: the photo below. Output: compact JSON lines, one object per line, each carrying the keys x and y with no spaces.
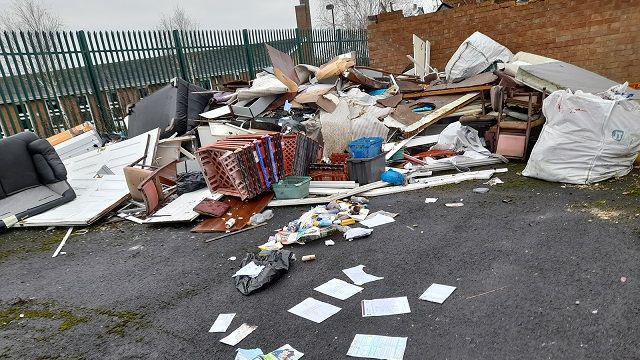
{"x":47,"y":161}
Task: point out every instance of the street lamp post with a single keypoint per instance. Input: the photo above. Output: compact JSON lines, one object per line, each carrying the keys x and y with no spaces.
{"x":333,"y":18}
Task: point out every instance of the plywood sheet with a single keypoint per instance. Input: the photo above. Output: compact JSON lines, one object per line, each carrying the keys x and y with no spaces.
{"x":239,"y":210}
{"x":181,"y":209}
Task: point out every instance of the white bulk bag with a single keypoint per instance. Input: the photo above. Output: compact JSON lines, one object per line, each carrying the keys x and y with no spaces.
{"x":586,"y":139}
{"x":474,"y":56}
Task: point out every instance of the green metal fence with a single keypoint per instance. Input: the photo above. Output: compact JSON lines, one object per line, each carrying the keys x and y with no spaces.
{"x":52,"y":81}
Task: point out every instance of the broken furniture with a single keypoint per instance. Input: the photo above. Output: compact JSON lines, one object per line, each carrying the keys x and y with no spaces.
{"x":513,"y":130}
{"x":173,"y":109}
{"x":33,"y":179}
{"x":158,"y":187}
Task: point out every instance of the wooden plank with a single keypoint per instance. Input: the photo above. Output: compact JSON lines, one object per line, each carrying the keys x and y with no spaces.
{"x":437,"y":114}
{"x":240,"y":210}
{"x":181,"y":209}
{"x":328,"y":199}
{"x":436,"y":181}
{"x":461,"y":90}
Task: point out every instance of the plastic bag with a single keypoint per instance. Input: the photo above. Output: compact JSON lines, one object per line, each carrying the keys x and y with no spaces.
{"x":276,"y":264}
{"x":190,"y":182}
{"x":586,"y":139}
{"x":476,"y":54}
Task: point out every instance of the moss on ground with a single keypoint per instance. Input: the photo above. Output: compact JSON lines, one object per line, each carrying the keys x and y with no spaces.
{"x":27,"y":242}
{"x":24,"y":310}
{"x":31,"y":310}
{"x":124,"y":320}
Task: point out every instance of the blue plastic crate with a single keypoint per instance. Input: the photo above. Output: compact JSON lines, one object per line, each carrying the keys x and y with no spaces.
{"x":365,"y":148}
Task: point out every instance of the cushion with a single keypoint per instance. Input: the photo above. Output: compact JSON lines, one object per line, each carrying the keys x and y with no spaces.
{"x":18,"y":171}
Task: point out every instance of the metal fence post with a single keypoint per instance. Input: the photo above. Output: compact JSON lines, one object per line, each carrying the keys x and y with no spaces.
{"x":301,"y":59}
{"x":93,"y":77}
{"x":339,"y":36}
{"x":182,"y":60}
{"x":248,"y":54}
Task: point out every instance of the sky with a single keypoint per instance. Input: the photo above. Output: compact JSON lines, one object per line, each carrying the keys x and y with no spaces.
{"x":146,"y":14}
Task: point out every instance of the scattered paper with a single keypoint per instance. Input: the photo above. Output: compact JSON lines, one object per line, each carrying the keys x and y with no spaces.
{"x":430,"y":200}
{"x":437,"y":293}
{"x":329,"y":242}
{"x":481,"y":190}
{"x":385,"y":307}
{"x":377,"y":220}
{"x":357,"y":233}
{"x":358,"y":276}
{"x":338,"y":289}
{"x":364,"y":212}
{"x":454,"y":204}
{"x":251,"y":269}
{"x":222,"y":323}
{"x":285,"y":352}
{"x":248,"y":354}
{"x":494,"y":181}
{"x":381,"y":212}
{"x":314,"y":310}
{"x":238,"y":334}
{"x":378,"y":347}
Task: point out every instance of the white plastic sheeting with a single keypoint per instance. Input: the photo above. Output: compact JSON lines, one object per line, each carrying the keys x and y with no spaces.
{"x":474,"y":56}
{"x":586,"y":139}
{"x":264,"y":84}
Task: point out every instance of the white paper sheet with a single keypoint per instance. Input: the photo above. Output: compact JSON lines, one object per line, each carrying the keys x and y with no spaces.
{"x":430,"y":200}
{"x":314,"y":310}
{"x":385,"y":307}
{"x":437,"y":293}
{"x":251,"y":269}
{"x":248,"y":354}
{"x":222,"y":323}
{"x":358,"y":276}
{"x":377,"y":221}
{"x":286,"y":352}
{"x":338,"y":289}
{"x":378,"y":347}
{"x":238,"y":334}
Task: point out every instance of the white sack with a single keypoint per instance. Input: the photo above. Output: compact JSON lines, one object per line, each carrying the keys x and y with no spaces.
{"x":264,"y":84}
{"x":586,"y":139}
{"x":474,"y":56}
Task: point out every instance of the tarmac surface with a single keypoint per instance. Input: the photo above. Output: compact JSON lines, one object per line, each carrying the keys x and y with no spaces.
{"x":542,"y":270}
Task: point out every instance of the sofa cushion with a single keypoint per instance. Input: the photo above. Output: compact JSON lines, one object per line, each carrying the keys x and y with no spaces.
{"x":52,"y":169}
{"x":17,"y":171}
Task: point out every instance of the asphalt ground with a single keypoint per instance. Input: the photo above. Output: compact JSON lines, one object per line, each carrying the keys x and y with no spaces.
{"x":542,"y":270}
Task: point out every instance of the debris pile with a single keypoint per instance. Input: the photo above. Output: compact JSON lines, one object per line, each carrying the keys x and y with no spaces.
{"x":328,"y":138}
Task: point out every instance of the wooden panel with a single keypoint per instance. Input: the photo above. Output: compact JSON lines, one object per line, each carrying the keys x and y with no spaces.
{"x":239,"y":210}
{"x":70,"y":107}
{"x":10,"y":123}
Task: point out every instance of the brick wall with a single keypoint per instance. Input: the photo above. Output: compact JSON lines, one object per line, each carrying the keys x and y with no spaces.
{"x":600,"y":35}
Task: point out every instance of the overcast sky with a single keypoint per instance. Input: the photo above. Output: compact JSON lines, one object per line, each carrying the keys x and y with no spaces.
{"x":146,"y":14}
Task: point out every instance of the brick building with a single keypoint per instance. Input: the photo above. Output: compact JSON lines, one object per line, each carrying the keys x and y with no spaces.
{"x":601,"y":36}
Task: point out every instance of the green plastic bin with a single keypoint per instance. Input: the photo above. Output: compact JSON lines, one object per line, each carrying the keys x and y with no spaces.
{"x":292,"y":187}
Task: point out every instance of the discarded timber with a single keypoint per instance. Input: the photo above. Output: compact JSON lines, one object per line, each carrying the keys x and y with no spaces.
{"x":328,"y":199}
{"x":235,"y":232}
{"x":438,"y":114}
{"x":460,"y":165}
{"x":461,"y":90}
{"x":436,"y":181}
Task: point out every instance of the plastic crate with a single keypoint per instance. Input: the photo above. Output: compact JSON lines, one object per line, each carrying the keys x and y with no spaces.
{"x":328,"y":172}
{"x":292,"y":187}
{"x":365,"y":148}
{"x":366,"y":171}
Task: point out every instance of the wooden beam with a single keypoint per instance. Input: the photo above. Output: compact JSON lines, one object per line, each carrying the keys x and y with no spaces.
{"x":328,"y":199}
{"x":438,"y":114}
{"x":453,"y":91}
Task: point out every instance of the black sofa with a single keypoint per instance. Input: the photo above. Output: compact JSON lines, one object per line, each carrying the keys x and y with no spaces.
{"x":32,"y":178}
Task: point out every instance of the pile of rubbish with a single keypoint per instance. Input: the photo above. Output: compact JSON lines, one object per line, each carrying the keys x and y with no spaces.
{"x":322,"y":136}
{"x":328,"y":138}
